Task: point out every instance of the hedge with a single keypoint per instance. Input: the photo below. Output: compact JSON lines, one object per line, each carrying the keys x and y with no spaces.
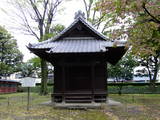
{"x":113,"y":88}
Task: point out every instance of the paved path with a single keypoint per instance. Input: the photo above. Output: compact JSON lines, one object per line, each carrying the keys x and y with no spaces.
{"x":113,"y":102}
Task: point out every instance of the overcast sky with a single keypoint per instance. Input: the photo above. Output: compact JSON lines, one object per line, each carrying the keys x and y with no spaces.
{"x":66,"y":17}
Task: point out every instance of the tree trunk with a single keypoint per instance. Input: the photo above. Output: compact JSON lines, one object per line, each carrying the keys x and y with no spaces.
{"x":153,"y":80}
{"x":44,"y":77}
{"x":120,"y":90}
{"x":152,"y":86}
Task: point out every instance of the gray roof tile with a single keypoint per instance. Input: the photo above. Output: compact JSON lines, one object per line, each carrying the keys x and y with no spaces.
{"x":76,"y":45}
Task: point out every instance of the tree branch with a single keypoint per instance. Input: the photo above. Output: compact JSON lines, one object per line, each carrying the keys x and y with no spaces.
{"x":35,"y":9}
{"x":100,"y":20}
{"x":89,"y":8}
{"x":105,"y":25}
{"x":86,"y":8}
{"x":153,"y":17}
{"x":94,"y":13}
{"x":51,"y":13}
{"x":25,"y":20}
{"x":45,"y":9}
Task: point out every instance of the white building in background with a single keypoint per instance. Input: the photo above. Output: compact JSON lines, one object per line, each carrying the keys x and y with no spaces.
{"x":140,"y":71}
{"x":18,"y":77}
{"x":158,"y":76}
{"x":15,"y":76}
{"x":141,"y":74}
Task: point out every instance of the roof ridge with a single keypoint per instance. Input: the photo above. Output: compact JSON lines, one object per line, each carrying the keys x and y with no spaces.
{"x":77,"y":38}
{"x":85,"y":22}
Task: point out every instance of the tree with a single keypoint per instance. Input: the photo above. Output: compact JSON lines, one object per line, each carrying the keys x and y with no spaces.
{"x":10,"y":56}
{"x":123,"y":70}
{"x":140,"y":21}
{"x":31,"y":67}
{"x":27,"y":70}
{"x":148,"y":43}
{"x":40,"y":13}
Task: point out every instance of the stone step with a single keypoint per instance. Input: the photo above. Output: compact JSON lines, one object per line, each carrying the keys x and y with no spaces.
{"x":78,"y":97}
{"x":77,"y":101}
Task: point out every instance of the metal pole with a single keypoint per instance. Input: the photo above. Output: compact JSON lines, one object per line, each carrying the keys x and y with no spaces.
{"x":28,"y":99}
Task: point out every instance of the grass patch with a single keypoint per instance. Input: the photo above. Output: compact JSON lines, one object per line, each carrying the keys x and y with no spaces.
{"x":137,"y":98}
{"x":137,"y":106}
{"x":134,"y":107}
{"x":16,"y":109}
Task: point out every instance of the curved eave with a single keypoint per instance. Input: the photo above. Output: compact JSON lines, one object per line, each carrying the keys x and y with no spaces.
{"x":40,"y":53}
{"x":114,"y":54}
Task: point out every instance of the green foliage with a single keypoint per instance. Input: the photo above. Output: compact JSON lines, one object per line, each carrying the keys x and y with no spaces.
{"x":132,"y":88}
{"x":56,"y":29}
{"x":27,"y":70}
{"x":36,"y":62}
{"x":10,"y":56}
{"x":140,"y":21}
{"x":123,"y":69}
{"x":145,"y":39}
{"x":31,"y":67}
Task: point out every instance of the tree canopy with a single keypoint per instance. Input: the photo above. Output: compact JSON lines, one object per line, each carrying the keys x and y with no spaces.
{"x":139,"y":20}
{"x":10,"y":56}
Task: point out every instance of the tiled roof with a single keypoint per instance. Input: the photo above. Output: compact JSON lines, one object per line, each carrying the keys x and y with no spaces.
{"x":5,"y":80}
{"x":76,"y":45}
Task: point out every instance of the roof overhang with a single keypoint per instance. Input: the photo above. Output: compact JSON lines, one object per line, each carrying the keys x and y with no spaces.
{"x":113,"y":54}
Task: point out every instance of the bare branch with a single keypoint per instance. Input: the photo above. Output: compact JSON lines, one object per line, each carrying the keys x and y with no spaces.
{"x":39,"y":17}
{"x":25,"y":20}
{"x":51,"y":13}
{"x":86,"y":8}
{"x":106,"y":25}
{"x":100,"y":20}
{"x":154,"y":18}
{"x":94,"y":13}
{"x":89,"y":8}
{"x":45,"y":9}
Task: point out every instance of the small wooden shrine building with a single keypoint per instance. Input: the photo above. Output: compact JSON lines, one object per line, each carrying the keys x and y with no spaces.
{"x":79,"y":55}
{"x":8,"y":86}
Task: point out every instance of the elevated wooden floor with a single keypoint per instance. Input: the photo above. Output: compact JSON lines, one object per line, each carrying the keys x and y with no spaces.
{"x":80,"y":97}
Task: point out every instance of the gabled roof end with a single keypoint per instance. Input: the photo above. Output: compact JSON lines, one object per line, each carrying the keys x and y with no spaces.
{"x":80,"y":16}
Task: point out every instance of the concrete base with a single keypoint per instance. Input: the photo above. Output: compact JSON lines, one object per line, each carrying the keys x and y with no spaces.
{"x":79,"y":105}
{"x":93,"y":105}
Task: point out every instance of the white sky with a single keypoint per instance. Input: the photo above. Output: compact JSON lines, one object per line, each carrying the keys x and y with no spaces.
{"x":66,"y":17}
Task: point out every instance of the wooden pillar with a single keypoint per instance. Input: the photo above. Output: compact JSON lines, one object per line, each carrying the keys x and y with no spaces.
{"x":63,"y":83}
{"x":106,"y":78}
{"x":93,"y":80}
